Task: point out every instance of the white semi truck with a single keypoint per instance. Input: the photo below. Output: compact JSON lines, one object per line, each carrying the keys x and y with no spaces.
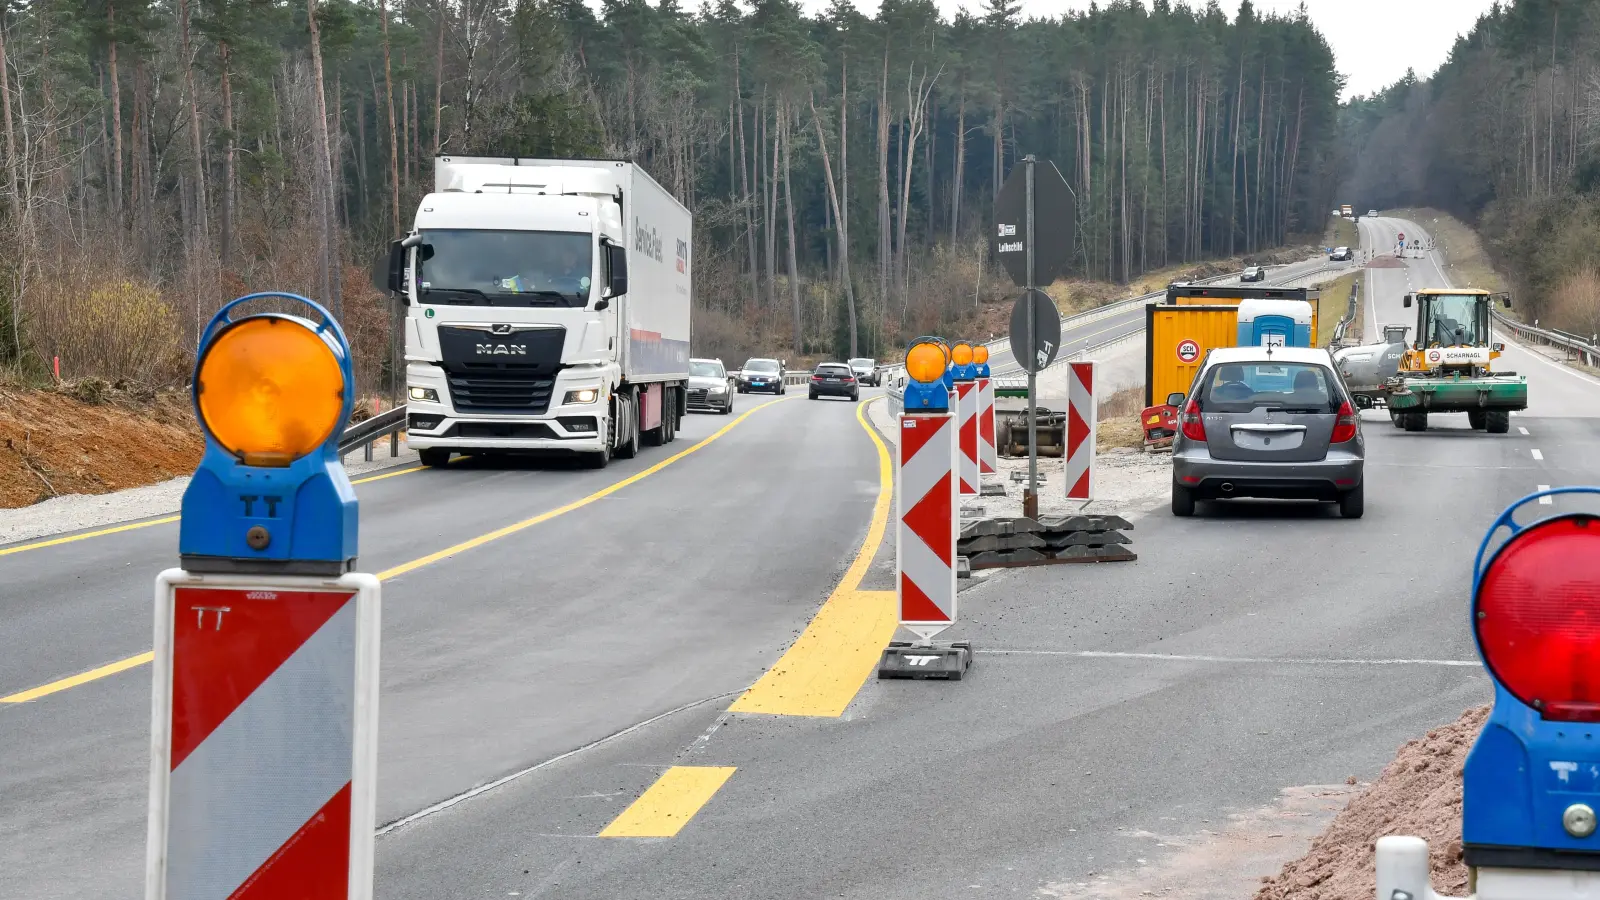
{"x":547,"y":309}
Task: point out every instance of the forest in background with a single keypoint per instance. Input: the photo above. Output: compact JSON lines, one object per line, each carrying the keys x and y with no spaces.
{"x":1506,"y":136}
{"x":164,"y":156}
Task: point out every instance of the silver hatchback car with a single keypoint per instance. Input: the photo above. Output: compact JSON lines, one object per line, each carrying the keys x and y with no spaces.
{"x":1268,"y":422}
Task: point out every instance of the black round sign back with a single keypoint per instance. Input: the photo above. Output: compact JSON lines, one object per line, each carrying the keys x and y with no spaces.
{"x":1046,"y":331}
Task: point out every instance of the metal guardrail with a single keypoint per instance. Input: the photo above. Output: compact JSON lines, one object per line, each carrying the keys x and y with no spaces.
{"x":368,"y":431}
{"x":1579,"y":349}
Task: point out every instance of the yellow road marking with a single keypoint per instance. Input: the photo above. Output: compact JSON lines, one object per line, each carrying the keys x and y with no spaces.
{"x":827,"y":665}
{"x":669,"y":804}
{"x":81,"y":678}
{"x":164,"y":520}
{"x":403,"y":568}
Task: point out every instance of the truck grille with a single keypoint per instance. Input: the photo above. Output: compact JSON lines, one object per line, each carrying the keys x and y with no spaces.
{"x":502,"y":390}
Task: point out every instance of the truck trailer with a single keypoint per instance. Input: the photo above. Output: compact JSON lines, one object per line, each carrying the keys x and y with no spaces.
{"x":547,"y":309}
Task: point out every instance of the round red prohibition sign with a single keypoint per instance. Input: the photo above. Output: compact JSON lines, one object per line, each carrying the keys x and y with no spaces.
{"x":1188,"y":350}
{"x":1435,"y":356}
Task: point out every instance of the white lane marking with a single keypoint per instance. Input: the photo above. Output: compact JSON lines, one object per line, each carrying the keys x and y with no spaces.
{"x":448,"y":802}
{"x":1537,"y":454}
{"x":1521,"y":429}
{"x":1175,"y":657}
{"x":1545,"y":501}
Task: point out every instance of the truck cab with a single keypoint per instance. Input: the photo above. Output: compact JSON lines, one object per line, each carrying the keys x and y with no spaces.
{"x":523,"y":329}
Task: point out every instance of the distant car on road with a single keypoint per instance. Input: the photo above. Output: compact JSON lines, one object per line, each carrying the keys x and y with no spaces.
{"x":761,"y":375}
{"x":834,"y":379}
{"x":867,"y":371}
{"x":1372,"y":212}
{"x":1253,"y":273}
{"x":1274,"y":422}
{"x":710,"y":386}
{"x":1342,"y":253}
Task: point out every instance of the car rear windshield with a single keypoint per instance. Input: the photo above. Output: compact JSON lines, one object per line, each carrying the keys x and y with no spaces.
{"x":761,"y":365}
{"x":1290,"y":387}
{"x":705,"y":369}
{"x":833,"y":370}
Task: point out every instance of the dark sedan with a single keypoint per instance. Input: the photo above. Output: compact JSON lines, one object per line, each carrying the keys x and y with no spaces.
{"x":836,"y":380}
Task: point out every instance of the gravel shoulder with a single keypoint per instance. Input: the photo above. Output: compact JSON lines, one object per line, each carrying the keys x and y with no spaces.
{"x":80,"y":512}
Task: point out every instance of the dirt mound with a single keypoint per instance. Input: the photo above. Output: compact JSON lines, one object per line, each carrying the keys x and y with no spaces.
{"x":1386,"y":262}
{"x":1419,"y":793}
{"x":92,"y":437}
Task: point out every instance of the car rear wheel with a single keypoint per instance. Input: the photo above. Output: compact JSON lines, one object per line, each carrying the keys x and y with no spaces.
{"x":1353,"y":503}
{"x":813,"y":395}
{"x":1182,"y":500}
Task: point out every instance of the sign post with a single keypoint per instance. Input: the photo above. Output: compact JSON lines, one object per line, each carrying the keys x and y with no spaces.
{"x":928,"y":507}
{"x":265,"y":683}
{"x":1035,"y":234}
{"x":1531,"y":783}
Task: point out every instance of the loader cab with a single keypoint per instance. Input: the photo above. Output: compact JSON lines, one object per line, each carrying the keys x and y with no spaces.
{"x":1453,"y":329}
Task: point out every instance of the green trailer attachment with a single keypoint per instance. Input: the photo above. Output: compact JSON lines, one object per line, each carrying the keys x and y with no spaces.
{"x":1488,"y":400}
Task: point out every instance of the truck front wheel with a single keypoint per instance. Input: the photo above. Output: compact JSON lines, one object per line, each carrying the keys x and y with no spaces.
{"x":625,"y":416}
{"x":434,"y":457}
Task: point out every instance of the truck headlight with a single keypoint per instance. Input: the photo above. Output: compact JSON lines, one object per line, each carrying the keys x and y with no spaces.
{"x":428,"y":394}
{"x":586,"y":395}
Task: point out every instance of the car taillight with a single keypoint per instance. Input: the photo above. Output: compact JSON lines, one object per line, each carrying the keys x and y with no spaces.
{"x":1193,"y":428}
{"x":816,"y":377}
{"x":1537,"y":618}
{"x":1345,"y":428}
{"x":849,"y":378}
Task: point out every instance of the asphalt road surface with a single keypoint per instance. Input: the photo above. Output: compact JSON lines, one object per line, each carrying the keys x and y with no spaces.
{"x":681,"y":586}
{"x":1117,"y":719}
{"x":562,"y":706}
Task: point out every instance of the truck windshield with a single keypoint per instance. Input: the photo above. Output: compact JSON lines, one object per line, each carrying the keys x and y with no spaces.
{"x":1457,"y":320}
{"x":504,"y":268}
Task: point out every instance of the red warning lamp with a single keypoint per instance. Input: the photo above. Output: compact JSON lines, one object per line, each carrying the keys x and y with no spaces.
{"x":1537,"y":617}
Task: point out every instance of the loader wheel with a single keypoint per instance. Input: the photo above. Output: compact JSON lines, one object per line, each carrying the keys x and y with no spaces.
{"x":1414,"y":421}
{"x":1476,"y":418}
{"x":1396,"y":418}
{"x":1497,"y":421}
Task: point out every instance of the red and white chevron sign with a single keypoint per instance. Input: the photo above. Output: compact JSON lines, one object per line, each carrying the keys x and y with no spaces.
{"x":988,"y":453}
{"x":927,"y":503}
{"x":1082,"y":417}
{"x":265,"y":738}
{"x":967,"y":437}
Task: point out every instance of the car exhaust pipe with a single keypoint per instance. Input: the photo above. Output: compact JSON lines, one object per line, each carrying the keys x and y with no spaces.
{"x":1227,"y":487}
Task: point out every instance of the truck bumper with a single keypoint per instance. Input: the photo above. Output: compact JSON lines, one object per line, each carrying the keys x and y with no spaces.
{"x":569,"y":427}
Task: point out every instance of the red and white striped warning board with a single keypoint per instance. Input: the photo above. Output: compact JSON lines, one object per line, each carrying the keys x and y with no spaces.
{"x":927,"y":503}
{"x":1082,"y":417}
{"x":265,"y":738}
{"x":967,"y":437}
{"x":988,"y":453}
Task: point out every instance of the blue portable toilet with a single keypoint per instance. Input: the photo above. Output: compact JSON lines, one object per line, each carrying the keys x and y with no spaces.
{"x":1278,"y":323}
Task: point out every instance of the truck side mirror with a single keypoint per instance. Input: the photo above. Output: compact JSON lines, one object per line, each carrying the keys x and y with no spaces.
{"x":1407,"y":301}
{"x":616,"y":270}
{"x":390,"y":275}
{"x":1175,"y":399}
